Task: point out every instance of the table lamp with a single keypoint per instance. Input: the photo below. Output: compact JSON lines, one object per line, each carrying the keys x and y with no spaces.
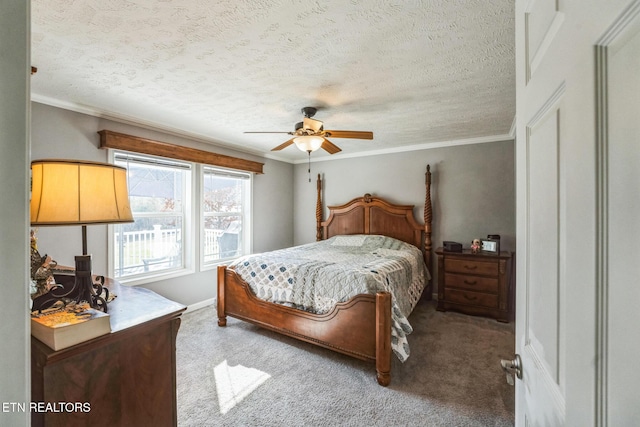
{"x":75,"y":192}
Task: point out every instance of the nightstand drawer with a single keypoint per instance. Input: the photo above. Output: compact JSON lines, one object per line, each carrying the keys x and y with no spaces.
{"x":472,"y":298}
{"x":466,"y":266}
{"x":474,"y":283}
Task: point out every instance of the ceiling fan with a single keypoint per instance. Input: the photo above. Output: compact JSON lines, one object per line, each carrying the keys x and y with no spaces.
{"x":310,"y":135}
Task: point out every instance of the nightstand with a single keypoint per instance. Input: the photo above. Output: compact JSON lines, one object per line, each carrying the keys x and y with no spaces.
{"x":125,"y":378}
{"x":478,"y":284}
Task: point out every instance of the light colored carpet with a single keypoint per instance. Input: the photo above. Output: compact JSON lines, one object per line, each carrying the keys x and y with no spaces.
{"x":242,"y":375}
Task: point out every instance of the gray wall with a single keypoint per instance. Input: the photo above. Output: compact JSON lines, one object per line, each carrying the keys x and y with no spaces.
{"x":14,"y":228}
{"x":473,"y":189}
{"x":59,"y":133}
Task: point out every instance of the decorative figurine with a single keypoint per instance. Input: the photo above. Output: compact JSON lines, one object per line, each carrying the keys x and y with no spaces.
{"x":41,"y":267}
{"x":475,"y":246}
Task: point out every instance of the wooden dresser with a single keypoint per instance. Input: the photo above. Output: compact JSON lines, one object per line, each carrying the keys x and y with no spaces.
{"x":478,"y":284}
{"x":125,"y":378}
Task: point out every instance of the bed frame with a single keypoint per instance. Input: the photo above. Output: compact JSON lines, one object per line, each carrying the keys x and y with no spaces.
{"x":360,"y":327}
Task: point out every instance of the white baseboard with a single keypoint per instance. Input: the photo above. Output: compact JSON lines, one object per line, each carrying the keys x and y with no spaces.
{"x":200,"y":304}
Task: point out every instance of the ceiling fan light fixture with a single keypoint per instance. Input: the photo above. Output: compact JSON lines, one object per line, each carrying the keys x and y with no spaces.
{"x":310,"y":135}
{"x":308,"y":143}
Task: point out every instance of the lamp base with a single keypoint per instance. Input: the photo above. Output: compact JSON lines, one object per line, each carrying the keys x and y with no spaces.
{"x":78,"y":288}
{"x":88,"y":290}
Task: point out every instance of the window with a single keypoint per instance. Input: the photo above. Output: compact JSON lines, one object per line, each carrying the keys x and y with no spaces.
{"x":225,"y":207}
{"x":160,"y":195}
{"x":167,"y":239}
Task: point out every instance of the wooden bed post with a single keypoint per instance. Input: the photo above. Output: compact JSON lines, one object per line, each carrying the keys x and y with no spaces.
{"x":319,"y":210}
{"x":383,"y":338}
{"x":428,"y":217}
{"x":222,"y":315}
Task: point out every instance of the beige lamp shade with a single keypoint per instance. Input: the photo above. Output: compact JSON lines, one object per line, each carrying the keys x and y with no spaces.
{"x":73,"y":192}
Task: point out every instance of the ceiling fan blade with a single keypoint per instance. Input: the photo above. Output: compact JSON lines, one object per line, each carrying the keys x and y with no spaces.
{"x":330,"y":147}
{"x":309,"y":123}
{"x":283,"y":145}
{"x":290,"y":133}
{"x":349,"y":134}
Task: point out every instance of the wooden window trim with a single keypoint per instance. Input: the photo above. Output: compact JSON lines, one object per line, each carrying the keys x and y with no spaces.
{"x":121,"y":141}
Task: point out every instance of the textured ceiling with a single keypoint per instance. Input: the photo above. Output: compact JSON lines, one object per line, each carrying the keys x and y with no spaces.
{"x":413,"y":72}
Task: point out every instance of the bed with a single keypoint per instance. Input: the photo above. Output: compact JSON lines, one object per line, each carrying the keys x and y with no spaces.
{"x":361,"y":326}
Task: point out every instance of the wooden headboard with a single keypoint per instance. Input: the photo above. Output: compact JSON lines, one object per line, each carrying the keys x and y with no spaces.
{"x":373,"y":215}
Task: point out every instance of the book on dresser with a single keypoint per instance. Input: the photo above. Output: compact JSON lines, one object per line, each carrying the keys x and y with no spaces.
{"x":64,"y":328}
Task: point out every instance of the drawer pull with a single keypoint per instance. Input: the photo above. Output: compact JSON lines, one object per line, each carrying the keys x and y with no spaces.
{"x":470,"y":267}
{"x":470,"y":298}
{"x":470,"y":282}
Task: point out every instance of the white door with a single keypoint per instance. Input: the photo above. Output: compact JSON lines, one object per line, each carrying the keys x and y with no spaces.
{"x":578,"y":204}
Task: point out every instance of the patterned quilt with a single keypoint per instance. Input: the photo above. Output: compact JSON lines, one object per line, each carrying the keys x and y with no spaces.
{"x":316,"y":276}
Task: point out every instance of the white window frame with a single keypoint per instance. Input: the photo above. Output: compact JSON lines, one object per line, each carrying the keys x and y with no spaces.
{"x":194,"y":215}
{"x":188,"y":239}
{"x":247,"y":230}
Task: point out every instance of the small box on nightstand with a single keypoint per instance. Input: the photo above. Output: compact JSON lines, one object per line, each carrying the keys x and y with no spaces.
{"x":452,"y":246}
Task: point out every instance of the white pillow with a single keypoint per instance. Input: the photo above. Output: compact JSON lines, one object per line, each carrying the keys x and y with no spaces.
{"x":349,"y":240}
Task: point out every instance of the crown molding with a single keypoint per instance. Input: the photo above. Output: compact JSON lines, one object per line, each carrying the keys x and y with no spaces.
{"x":415,"y":147}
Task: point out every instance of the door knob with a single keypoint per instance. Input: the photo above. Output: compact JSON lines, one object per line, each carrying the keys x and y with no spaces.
{"x":511,"y":368}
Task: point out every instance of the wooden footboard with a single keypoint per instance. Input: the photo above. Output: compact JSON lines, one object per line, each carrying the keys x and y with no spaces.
{"x":360,"y":327}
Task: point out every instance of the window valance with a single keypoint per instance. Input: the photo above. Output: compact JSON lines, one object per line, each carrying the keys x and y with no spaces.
{"x":121,"y":141}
